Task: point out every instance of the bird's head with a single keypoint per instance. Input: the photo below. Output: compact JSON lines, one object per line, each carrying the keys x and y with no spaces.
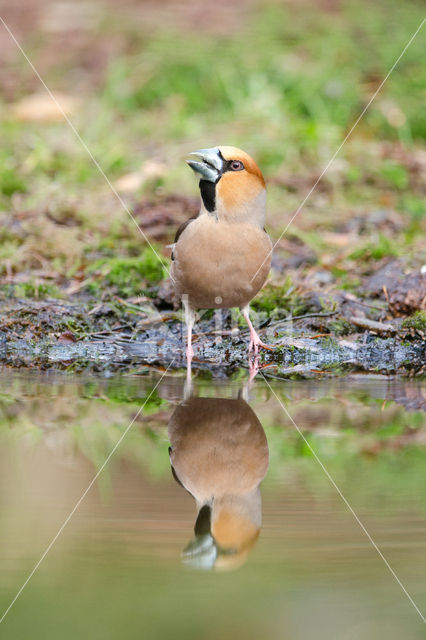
{"x":231,"y":184}
{"x":225,"y":532}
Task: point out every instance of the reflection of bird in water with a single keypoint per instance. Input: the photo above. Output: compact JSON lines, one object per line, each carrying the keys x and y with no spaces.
{"x":219,"y":453}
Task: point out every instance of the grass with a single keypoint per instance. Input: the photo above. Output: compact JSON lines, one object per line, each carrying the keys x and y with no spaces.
{"x":381,"y":248}
{"x":286,"y":84}
{"x":35,"y":290}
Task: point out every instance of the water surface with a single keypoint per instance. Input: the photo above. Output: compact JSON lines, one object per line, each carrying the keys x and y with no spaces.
{"x":213,"y":517}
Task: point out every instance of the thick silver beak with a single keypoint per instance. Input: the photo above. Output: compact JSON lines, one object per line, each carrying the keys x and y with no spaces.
{"x":209,"y":164}
{"x":201,"y":553}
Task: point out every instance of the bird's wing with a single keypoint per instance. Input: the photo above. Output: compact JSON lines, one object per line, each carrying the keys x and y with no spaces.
{"x":183,"y":227}
{"x":180,"y":230}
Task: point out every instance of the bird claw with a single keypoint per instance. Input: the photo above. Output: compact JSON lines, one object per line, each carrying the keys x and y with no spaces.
{"x":256,"y":343}
{"x":268,"y":347}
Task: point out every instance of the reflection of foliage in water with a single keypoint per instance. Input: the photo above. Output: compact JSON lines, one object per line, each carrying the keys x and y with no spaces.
{"x":88,"y":418}
{"x":361,"y":440}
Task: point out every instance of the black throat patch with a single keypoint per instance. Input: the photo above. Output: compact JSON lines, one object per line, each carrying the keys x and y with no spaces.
{"x":208,"y":194}
{"x":203,"y":523}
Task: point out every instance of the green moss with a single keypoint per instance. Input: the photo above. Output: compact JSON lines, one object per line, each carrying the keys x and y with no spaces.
{"x":38,"y":291}
{"x":129,"y":276}
{"x":416,"y":321}
{"x":329,"y":343}
{"x":280,"y":298}
{"x":80,"y":325}
{"x":340,"y":327}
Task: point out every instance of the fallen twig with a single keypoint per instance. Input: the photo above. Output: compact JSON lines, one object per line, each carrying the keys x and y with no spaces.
{"x":298,"y":368}
{"x":108,"y":332}
{"x":131,"y":306}
{"x":372,"y":325}
{"x":349,"y":297}
{"x":277,"y":323}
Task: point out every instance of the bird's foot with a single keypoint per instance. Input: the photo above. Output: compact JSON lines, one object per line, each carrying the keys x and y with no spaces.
{"x":268,"y":347}
{"x":255,"y":367}
{"x":256,"y":343}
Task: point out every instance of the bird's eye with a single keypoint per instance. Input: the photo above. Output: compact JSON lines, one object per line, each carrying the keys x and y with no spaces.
{"x":236,"y":165}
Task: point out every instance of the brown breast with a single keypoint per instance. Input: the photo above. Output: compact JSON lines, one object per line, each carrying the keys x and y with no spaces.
{"x":220,"y":264}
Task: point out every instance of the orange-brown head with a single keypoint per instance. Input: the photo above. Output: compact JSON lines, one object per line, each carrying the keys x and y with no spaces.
{"x":232,"y":185}
{"x":236,"y":521}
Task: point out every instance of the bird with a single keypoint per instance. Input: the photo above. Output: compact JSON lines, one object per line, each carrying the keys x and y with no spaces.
{"x":219,"y":454}
{"x":221,"y":257}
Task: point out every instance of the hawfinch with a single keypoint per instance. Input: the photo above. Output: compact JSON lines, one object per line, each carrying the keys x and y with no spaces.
{"x":219,"y":454}
{"x":221,"y":257}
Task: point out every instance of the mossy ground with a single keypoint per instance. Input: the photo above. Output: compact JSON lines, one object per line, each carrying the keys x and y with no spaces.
{"x":416,"y":321}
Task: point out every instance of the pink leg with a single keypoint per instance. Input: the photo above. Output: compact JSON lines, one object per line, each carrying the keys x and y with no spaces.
{"x":253,"y":368}
{"x":190,"y":320}
{"x":188,"y":383}
{"x":189,"y":349}
{"x":218,"y":326}
{"x":255,"y":341}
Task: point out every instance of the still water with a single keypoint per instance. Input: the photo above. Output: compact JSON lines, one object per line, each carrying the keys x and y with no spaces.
{"x":215,"y":515}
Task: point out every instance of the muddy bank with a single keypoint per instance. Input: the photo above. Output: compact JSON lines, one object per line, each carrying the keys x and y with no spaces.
{"x":105,"y":338}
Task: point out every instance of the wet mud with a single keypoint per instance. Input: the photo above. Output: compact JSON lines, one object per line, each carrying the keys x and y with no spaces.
{"x":40,"y":337}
